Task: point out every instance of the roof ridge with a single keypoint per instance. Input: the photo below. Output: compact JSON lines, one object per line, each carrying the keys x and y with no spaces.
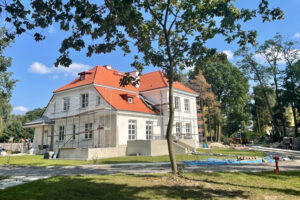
{"x":161,"y":74}
{"x":95,"y":74}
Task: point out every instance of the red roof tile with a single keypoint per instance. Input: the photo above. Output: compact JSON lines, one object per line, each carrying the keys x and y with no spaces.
{"x":155,"y":80}
{"x":117,"y":100}
{"x":103,"y":76}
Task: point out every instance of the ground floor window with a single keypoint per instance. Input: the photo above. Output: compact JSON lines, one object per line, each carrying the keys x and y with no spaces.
{"x":178,"y":128}
{"x":61,"y":133}
{"x":188,"y":129}
{"x":132,"y":130}
{"x":149,"y":130}
{"x":74,"y":132}
{"x":88,"y":129}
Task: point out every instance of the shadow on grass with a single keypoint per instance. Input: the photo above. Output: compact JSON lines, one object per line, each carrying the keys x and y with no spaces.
{"x":266,"y":175}
{"x":78,"y":187}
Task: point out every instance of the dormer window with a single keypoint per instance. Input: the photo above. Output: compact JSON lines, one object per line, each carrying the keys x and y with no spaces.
{"x":82,"y":76}
{"x":130,"y":100}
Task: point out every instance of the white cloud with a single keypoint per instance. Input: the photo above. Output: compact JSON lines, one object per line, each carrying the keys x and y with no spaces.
{"x":51,"y":29}
{"x":229,"y":54}
{"x":297,"y":35}
{"x":72,"y":70}
{"x":39,"y":68}
{"x":20,"y":109}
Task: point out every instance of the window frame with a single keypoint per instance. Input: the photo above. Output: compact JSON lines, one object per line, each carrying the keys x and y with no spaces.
{"x":132,"y":131}
{"x":98,"y":100}
{"x":177,"y":103}
{"x":130,"y":100}
{"x":188,"y":127}
{"x":74,"y":132}
{"x":66,"y":103}
{"x":187,"y":105}
{"x":149,"y":130}
{"x":84,"y":100}
{"x":88,"y":131}
{"x":61,"y":135}
{"x":178,"y":129}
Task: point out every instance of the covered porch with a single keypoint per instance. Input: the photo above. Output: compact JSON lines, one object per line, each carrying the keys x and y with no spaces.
{"x":43,"y":134}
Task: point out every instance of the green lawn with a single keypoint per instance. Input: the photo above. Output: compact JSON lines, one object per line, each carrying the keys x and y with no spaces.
{"x":228,"y":151}
{"x":286,"y":185}
{"x":37,"y":160}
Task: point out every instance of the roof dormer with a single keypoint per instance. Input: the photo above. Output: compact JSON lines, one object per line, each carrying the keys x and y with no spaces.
{"x":82,"y":75}
{"x":128,"y":97}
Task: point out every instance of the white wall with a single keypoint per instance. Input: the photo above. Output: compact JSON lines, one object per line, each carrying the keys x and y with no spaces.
{"x":75,"y":104}
{"x":122,"y":124}
{"x":161,"y":96}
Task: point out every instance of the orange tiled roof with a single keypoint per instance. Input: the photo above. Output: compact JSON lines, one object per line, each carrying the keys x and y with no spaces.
{"x":117,"y":100}
{"x":103,"y":76}
{"x":155,"y":80}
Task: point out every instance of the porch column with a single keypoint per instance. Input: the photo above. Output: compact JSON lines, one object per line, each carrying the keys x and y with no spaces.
{"x":52,"y":137}
{"x":43,"y":131}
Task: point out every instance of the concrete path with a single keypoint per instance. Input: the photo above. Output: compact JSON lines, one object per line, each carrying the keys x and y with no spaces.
{"x":278,"y":152}
{"x":139,"y":168}
{"x":18,"y":180}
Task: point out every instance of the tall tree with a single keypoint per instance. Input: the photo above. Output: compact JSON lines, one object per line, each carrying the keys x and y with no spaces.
{"x":271,"y":51}
{"x":231,"y":89}
{"x":7,"y":83}
{"x":206,"y":96}
{"x":259,"y":74}
{"x":168,"y":34}
{"x":292,"y":81}
{"x":261,"y":116}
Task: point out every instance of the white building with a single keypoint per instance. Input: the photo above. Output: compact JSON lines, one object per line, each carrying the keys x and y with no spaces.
{"x":93,"y":117}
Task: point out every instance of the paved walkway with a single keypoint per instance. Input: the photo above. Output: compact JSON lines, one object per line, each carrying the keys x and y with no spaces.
{"x":278,"y":152}
{"x":138,"y":168}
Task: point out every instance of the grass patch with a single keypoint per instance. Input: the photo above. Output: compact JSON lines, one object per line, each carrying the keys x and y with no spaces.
{"x":286,"y":185}
{"x":3,"y":177}
{"x":38,"y":160}
{"x":228,"y":151}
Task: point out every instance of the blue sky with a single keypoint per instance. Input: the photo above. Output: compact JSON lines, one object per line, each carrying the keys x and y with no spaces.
{"x":33,"y":62}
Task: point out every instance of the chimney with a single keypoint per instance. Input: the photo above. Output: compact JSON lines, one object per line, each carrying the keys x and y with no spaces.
{"x":135,"y":75}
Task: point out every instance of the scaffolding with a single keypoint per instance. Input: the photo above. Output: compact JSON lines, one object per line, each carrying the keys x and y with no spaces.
{"x":102,"y":127}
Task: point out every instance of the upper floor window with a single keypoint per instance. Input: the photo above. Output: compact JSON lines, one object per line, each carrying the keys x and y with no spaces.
{"x":82,"y":76}
{"x":54,"y":107}
{"x":149,"y":130}
{"x":84,"y":100}
{"x":177,"y":103}
{"x":186,"y":105}
{"x":88,"y":129}
{"x":132,"y":130}
{"x":66,"y":105}
{"x":61,"y":135}
{"x":98,"y":100}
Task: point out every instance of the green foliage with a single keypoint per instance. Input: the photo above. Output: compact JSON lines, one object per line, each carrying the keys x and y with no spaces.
{"x":13,"y":128}
{"x":231,"y":89}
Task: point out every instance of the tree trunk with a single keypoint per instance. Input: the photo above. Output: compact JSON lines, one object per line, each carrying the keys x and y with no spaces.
{"x":170,"y":127}
{"x":209,"y":124}
{"x":295,"y":121}
{"x":274,"y":122}
{"x":219,"y":133}
{"x":215,"y":124}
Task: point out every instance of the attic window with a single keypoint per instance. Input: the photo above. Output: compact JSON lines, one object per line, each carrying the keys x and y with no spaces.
{"x":130,"y":100}
{"x":82,"y":77}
